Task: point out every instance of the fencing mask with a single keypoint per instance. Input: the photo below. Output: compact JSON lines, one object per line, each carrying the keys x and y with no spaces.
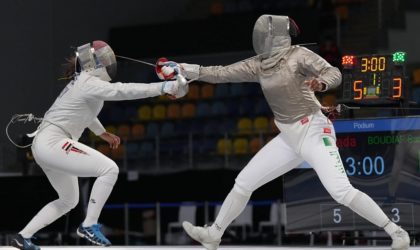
{"x":273,"y":32}
{"x":97,"y":59}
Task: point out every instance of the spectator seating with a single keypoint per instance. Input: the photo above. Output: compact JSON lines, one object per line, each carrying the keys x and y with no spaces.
{"x":229,"y":118}
{"x":144,"y":113}
{"x":137,"y":131}
{"x":203,"y":109}
{"x":133,"y":150}
{"x":244,"y":126}
{"x":224,"y":146}
{"x":124,"y":131}
{"x":167,"y":129}
{"x":240,"y":146}
{"x":261,"y":124}
{"x":222,"y":91}
{"x":193,"y":92}
{"x":159,"y":112}
{"x":188,"y":110}
{"x":173,"y":111}
{"x":255,"y":144}
{"x":152,"y":130}
{"x":207,"y":91}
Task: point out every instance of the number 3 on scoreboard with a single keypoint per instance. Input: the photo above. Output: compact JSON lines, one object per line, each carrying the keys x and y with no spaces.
{"x":357,"y":89}
{"x":396,"y":215}
{"x":397,"y":87}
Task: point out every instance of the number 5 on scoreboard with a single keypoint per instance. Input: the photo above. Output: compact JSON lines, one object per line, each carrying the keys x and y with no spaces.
{"x":357,"y":89}
{"x":337,"y":215}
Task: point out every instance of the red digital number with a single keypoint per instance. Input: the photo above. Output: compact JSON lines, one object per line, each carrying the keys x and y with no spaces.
{"x":357,"y":88}
{"x":397,"y":88}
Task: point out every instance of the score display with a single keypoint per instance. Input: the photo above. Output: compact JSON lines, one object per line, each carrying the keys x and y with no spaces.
{"x":381,"y":158}
{"x":373,"y":79}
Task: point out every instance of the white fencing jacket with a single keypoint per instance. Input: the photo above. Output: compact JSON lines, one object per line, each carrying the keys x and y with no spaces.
{"x":283,"y":84}
{"x":80,"y":102}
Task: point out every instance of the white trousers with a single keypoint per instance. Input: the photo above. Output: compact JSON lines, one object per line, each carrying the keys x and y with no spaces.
{"x":312,"y":140}
{"x":63,"y":160}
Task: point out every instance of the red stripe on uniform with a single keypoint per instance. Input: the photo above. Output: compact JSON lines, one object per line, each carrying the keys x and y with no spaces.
{"x":65,"y":144}
{"x":77,"y":150}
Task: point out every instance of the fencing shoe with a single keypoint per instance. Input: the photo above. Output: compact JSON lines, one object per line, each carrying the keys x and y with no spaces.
{"x":202,"y":235}
{"x":400,"y":240}
{"x":93,"y":234}
{"x":25,"y":244}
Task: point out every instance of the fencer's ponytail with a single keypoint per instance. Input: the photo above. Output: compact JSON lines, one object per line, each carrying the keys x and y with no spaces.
{"x":69,"y":68}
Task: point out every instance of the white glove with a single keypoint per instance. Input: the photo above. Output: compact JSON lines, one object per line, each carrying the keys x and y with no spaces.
{"x":176,"y":89}
{"x":167,"y":70}
{"x":183,"y":86}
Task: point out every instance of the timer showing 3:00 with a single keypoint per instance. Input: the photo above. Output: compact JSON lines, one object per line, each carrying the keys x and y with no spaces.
{"x":367,"y":166}
{"x":373,"y":64}
{"x":374,"y":78}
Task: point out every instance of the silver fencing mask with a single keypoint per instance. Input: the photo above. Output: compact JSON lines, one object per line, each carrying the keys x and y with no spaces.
{"x":271,"y":31}
{"x":97,"y":59}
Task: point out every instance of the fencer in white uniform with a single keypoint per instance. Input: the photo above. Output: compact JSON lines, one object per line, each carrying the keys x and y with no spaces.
{"x":63,"y":159}
{"x":288,"y":76}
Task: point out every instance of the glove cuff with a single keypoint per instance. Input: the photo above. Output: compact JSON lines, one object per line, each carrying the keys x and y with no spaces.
{"x":162,"y":88}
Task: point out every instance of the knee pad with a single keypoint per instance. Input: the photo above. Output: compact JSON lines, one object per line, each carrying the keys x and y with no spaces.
{"x":242,"y":191}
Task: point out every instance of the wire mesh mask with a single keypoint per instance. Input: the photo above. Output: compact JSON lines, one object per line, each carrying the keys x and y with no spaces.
{"x":97,"y":59}
{"x":271,"y":31}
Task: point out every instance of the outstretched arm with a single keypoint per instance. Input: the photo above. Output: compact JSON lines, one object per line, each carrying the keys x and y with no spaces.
{"x":94,"y":88}
{"x":244,"y":71}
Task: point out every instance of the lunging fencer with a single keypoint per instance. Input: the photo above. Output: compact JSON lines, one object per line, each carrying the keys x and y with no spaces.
{"x":289,"y":76}
{"x":63,"y":159}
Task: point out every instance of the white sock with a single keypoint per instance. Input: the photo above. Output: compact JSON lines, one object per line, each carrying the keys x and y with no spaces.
{"x":363,"y":205}
{"x":100,"y":193}
{"x":48,"y":214}
{"x":232,"y":207}
{"x":391,"y":227}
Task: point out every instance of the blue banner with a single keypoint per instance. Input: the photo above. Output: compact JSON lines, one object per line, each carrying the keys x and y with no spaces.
{"x":377,"y":125}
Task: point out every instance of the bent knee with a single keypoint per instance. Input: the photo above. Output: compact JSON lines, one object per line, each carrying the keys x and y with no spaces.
{"x":73,"y":203}
{"x":111,"y":172}
{"x":238,"y":188}
{"x":344,"y":196}
{"x":113,"y":168}
{"x":68,"y":203}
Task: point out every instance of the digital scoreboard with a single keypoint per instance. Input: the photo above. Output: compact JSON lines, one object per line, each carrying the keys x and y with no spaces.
{"x":381,"y":158}
{"x":374,"y":79}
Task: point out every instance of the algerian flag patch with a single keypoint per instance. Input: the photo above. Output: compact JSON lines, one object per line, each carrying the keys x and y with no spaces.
{"x":327,"y":141}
